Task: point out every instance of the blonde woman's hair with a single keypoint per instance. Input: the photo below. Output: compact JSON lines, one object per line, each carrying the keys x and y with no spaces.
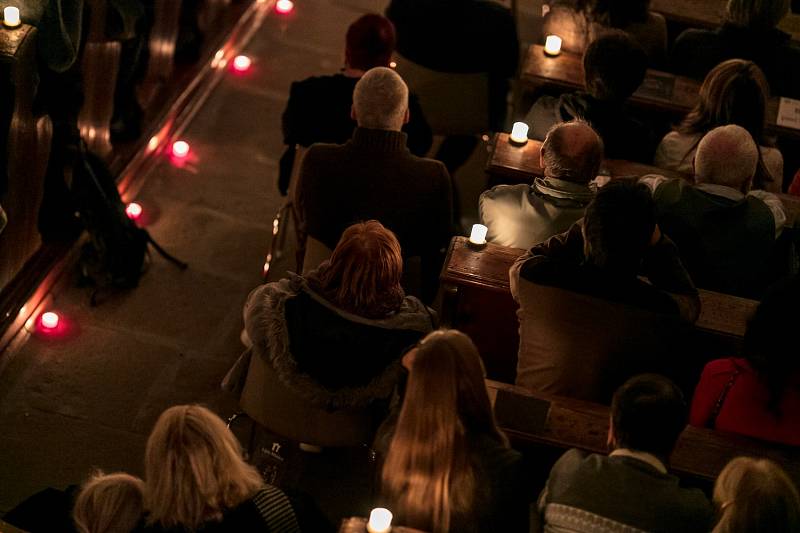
{"x":428,"y":477}
{"x":109,"y":503}
{"x":756,"y":495}
{"x":194,"y":469}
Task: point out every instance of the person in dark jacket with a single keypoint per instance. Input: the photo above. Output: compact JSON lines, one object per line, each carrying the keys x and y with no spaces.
{"x":614,"y":66}
{"x":319,"y":107}
{"x":750,"y":32}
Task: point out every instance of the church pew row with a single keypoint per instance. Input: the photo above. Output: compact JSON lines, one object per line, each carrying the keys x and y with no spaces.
{"x":508,"y":163}
{"x":542,"y":421}
{"x":476,"y":299}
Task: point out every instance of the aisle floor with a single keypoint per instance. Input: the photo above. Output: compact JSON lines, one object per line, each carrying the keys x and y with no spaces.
{"x":88,"y":400}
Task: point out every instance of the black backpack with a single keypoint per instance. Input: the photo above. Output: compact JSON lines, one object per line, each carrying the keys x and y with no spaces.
{"x":115,"y":255}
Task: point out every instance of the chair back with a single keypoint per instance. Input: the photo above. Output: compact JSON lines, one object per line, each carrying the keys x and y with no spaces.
{"x":453,"y":103}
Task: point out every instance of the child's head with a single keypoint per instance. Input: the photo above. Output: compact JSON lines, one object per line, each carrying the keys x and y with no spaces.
{"x":109,"y":503}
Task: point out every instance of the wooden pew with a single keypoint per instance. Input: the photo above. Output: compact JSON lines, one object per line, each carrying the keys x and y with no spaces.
{"x":477,"y":300}
{"x":557,"y":422}
{"x":163,"y":37}
{"x":28,"y":150}
{"x":661,"y":92}
{"x":709,"y":14}
{"x":100,"y":67}
{"x":508,"y":163}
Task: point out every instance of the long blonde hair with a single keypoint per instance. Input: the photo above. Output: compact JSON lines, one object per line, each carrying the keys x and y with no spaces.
{"x":109,"y":503}
{"x":194,"y":469}
{"x":756,"y":495}
{"x":428,"y":477}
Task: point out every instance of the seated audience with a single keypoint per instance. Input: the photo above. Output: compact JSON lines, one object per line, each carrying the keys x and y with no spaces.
{"x":374,"y":176}
{"x":579,"y":22}
{"x":756,"y":495}
{"x":109,"y":503}
{"x":523,"y":215}
{"x":630,"y":489}
{"x":750,"y":32}
{"x":319,"y":108}
{"x":725,"y":232}
{"x":734,"y":92}
{"x":614,"y":66}
{"x":345,"y":324}
{"x":448,"y":467}
{"x":587,"y":322}
{"x":757,"y":395}
{"x":196,"y":479}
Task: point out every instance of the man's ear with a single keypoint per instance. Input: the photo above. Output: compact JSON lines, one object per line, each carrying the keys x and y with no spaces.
{"x":541,"y":158}
{"x":353,"y":113}
{"x":407,"y":116}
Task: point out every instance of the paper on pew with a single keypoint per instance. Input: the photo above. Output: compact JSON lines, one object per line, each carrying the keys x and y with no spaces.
{"x":789,"y":113}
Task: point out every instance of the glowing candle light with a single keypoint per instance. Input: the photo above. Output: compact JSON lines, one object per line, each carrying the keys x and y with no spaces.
{"x":180,"y":149}
{"x":11,"y":17}
{"x":519,"y":133}
{"x":134,"y":211}
{"x":284,"y":6}
{"x":393,"y":64}
{"x":478,"y":234}
{"x":49,"y":320}
{"x":552,"y":45}
{"x":242,"y":63}
{"x":380,"y":521}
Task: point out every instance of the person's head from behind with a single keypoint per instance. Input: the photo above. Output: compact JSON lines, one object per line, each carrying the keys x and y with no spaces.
{"x":648,"y":414}
{"x":571,"y":151}
{"x":427,"y":476}
{"x":618,"y":227}
{"x":757,"y":14}
{"x":770,"y":332}
{"x":109,"y":503}
{"x":364,"y":272}
{"x":734,"y":92}
{"x":380,"y":100}
{"x":614,"y":65}
{"x":756,"y":495}
{"x":620,"y":13}
{"x":370,"y":42}
{"x":728,"y":156}
{"x":194,"y":469}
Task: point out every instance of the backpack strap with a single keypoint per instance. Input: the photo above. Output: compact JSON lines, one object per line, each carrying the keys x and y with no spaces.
{"x":712,"y":422}
{"x":276,"y":510}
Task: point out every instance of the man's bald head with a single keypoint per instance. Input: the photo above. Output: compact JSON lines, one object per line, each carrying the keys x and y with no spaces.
{"x":726,"y":155}
{"x":572,"y":151}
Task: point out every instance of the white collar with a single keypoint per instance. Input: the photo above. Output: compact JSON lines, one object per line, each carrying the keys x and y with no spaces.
{"x":644,"y":457}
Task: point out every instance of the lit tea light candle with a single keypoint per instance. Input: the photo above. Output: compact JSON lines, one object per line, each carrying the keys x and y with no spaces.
{"x":180,"y":149}
{"x":478,"y":234}
{"x":49,"y":320}
{"x":519,"y":133}
{"x":242,"y":63}
{"x":11,"y":17}
{"x":134,"y":211}
{"x":552,"y":45}
{"x":380,"y":521}
{"x":392,"y":64}
{"x":284,"y":6}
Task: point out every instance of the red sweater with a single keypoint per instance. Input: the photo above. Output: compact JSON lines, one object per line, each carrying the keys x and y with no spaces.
{"x":744,"y":410}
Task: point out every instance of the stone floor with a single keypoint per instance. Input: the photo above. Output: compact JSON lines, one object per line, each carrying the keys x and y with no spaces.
{"x":89,"y":399}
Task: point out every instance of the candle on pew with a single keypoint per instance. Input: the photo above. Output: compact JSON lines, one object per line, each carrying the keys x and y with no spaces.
{"x":478,"y":234}
{"x":11,"y":17}
{"x":380,"y":521}
{"x":552,"y":45}
{"x":519,"y":133}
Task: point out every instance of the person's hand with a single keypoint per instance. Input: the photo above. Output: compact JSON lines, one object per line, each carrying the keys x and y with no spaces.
{"x":656,"y":238}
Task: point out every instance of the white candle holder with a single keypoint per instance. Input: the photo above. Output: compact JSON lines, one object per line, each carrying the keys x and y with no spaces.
{"x":519,"y":134}
{"x":380,"y":521}
{"x":552,"y":45}
{"x":11,"y":17}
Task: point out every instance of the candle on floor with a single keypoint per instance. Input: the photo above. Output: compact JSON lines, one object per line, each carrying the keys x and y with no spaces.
{"x":552,"y":45}
{"x":11,"y":17}
{"x":242,"y":63}
{"x":284,"y":6}
{"x":180,"y":149}
{"x":519,"y":133}
{"x":49,"y":320}
{"x":380,"y":521}
{"x":134,"y":211}
{"x":478,"y":234}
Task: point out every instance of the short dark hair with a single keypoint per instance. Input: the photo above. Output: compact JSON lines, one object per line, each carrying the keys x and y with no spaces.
{"x":370,"y":42}
{"x":648,"y":414}
{"x":619,"y":225}
{"x":614,"y":66}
